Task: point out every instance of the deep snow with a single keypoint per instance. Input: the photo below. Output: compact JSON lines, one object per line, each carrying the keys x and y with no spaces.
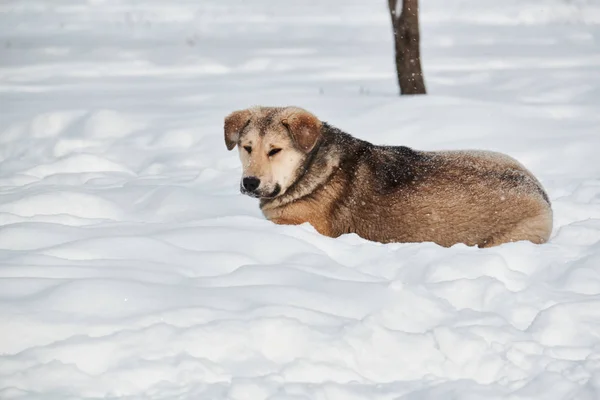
{"x":131,"y":267}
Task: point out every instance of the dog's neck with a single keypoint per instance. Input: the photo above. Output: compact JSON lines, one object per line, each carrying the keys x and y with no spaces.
{"x":318,"y":169}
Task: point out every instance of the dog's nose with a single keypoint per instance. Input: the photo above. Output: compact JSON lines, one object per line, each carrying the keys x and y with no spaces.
{"x":251,"y":183}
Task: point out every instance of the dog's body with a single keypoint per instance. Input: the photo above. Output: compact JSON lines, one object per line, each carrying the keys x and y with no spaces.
{"x":340,"y":184}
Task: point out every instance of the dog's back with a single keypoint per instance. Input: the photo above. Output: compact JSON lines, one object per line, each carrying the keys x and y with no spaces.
{"x":474,"y":197}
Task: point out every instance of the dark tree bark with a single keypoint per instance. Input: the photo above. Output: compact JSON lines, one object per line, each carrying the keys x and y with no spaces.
{"x":407,"y":42}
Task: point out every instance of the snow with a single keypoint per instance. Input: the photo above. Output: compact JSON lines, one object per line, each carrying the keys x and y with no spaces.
{"x":131,"y":266}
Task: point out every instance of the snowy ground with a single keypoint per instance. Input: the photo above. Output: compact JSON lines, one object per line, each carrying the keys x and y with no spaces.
{"x":132,"y":268}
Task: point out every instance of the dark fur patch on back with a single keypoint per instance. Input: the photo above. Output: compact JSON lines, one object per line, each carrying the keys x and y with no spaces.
{"x":395,"y":167}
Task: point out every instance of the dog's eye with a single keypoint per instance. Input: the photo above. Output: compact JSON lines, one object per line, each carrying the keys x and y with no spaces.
{"x":273,"y":152}
{"x":248,"y":149}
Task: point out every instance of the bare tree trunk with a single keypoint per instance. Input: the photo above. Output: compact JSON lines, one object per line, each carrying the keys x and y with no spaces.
{"x":407,"y":42}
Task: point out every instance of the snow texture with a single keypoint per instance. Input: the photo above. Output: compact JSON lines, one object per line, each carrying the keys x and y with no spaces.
{"x":132,"y":268}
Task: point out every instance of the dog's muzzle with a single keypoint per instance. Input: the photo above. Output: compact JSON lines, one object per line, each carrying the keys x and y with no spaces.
{"x":249,"y":186}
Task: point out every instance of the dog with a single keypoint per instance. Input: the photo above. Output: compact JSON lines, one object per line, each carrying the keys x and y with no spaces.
{"x":305,"y":170}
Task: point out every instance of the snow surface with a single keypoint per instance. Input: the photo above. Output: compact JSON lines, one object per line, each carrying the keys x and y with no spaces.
{"x":132,"y":268}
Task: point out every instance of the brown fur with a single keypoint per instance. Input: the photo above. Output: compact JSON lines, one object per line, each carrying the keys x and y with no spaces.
{"x":340,"y":184}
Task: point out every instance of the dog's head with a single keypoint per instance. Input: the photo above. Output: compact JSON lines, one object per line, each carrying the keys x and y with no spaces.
{"x":273,"y":145}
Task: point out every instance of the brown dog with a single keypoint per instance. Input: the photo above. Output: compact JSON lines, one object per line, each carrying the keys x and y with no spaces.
{"x":305,"y":170}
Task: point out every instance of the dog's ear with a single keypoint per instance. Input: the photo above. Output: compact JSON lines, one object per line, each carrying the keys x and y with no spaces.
{"x":234,"y":124}
{"x":304,"y":128}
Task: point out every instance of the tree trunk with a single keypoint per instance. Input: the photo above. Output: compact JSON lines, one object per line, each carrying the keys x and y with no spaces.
{"x":407,"y":39}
